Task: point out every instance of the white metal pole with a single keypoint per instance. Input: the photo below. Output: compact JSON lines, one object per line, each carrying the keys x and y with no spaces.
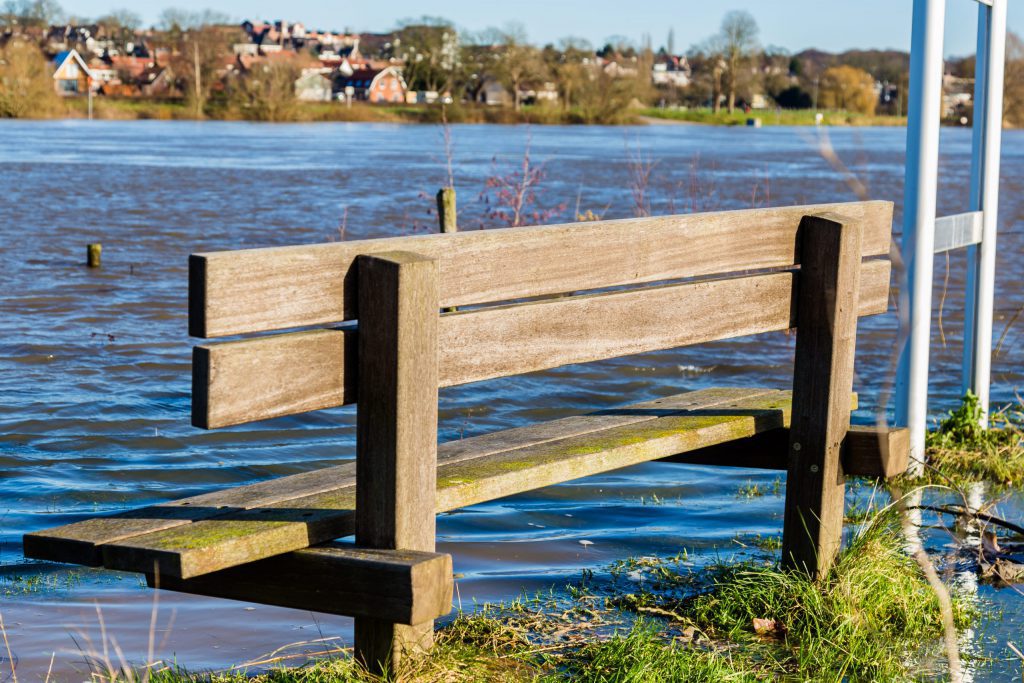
{"x":918,"y":246}
{"x":977,"y":172}
{"x":981,"y":258}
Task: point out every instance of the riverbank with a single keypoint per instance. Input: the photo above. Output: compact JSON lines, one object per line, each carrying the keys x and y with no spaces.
{"x":874,"y":616}
{"x":310,"y":112}
{"x":315,"y":112}
{"x":769,"y":117}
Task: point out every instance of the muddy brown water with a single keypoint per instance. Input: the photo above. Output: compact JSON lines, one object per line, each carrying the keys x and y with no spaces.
{"x":94,"y":364}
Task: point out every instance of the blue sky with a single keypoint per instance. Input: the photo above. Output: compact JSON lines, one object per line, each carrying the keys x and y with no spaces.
{"x":831,"y":25}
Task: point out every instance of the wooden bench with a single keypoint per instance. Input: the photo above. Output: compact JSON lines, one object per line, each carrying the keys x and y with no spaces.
{"x":527,"y":299}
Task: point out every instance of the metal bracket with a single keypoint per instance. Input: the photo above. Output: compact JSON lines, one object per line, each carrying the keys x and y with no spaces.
{"x":960,"y":230}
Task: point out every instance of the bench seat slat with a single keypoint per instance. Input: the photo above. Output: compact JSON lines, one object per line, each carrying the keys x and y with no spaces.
{"x":255,"y":290}
{"x":79,"y":542}
{"x":256,"y":379}
{"x":237,"y":538}
{"x":216,"y":537}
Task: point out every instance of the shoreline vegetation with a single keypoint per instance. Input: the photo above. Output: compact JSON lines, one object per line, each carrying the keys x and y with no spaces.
{"x":128,"y":109}
{"x":873,"y":617}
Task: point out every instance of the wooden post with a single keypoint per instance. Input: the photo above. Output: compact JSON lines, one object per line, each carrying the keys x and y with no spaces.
{"x":447,"y":217}
{"x":827,"y":299}
{"x":93,"y":255}
{"x":396,"y":422}
{"x":446,"y":214}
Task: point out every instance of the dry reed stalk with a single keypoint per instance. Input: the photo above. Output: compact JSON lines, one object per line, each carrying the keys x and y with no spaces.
{"x":641,"y":167}
{"x":7,"y":644}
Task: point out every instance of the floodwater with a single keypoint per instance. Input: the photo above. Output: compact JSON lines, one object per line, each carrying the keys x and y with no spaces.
{"x":95,"y":378}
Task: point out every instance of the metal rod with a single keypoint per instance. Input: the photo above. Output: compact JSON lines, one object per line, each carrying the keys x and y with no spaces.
{"x":985,"y":191}
{"x":918,"y":245}
{"x":977,"y":165}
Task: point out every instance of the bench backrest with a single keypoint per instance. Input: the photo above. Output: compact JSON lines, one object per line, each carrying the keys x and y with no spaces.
{"x":668,"y":281}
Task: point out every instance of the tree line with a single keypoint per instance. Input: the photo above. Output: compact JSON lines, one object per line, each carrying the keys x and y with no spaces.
{"x":729,"y":70}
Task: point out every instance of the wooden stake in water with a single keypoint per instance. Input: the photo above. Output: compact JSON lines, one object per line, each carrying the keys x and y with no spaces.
{"x":93,"y":254}
{"x":447,"y":218}
{"x":446,"y":214}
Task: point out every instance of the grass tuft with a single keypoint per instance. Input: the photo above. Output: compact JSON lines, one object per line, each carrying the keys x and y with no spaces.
{"x":961,"y":451}
{"x":643,"y":655}
{"x":867,"y":619}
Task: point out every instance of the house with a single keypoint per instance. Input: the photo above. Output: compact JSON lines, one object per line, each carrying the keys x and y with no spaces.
{"x":70,"y":74}
{"x":313,"y":86}
{"x":957,"y":96}
{"x":129,"y":67}
{"x":545,"y":92}
{"x":156,"y":81}
{"x":670,"y":71}
{"x":68,"y":37}
{"x":617,"y":69}
{"x":377,"y":86}
{"x":102,"y":71}
{"x":493,"y":93}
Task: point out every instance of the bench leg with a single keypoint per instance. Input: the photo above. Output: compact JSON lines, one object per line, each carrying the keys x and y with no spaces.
{"x":381,"y":646}
{"x":830,"y":260}
{"x":396,"y":431}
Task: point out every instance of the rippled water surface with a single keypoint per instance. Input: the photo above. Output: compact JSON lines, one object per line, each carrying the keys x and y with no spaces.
{"x":94,"y":364}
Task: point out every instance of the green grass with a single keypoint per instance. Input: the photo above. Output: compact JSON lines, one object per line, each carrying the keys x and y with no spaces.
{"x":960,"y":451}
{"x":545,"y":114}
{"x":873,"y":617}
{"x":773,"y":117}
{"x":643,"y":655}
{"x":117,"y":108}
{"x":754,"y":490}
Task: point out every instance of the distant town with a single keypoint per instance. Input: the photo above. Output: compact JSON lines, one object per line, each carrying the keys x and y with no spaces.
{"x":202,"y":65}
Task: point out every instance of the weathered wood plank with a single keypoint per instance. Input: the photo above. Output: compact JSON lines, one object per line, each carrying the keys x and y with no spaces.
{"x":830,"y":276}
{"x":80,"y":542}
{"x":236,"y":382}
{"x":581,"y":329}
{"x":237,"y":537}
{"x":402,"y":586}
{"x":289,"y":373}
{"x":396,"y":432}
{"x":881,"y":452}
{"x":866,"y":452}
{"x":238,"y":292}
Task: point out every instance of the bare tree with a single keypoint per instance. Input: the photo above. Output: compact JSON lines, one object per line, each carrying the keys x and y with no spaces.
{"x":197,"y":41}
{"x":267,"y":92}
{"x":121,"y":23}
{"x":738,"y":39}
{"x":567,"y":66}
{"x":430,"y":49}
{"x":31,"y":13}
{"x":1013,"y":88}
{"x":520,"y":62}
{"x":708,"y":66}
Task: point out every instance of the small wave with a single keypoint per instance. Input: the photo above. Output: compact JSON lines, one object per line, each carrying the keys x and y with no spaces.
{"x":696,"y":369}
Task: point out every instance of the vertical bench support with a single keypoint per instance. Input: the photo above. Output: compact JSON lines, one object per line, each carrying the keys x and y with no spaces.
{"x":830,"y":260}
{"x":396,"y":442}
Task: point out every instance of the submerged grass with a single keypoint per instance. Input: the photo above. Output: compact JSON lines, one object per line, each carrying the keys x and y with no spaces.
{"x":872,"y":617}
{"x":961,"y":451}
